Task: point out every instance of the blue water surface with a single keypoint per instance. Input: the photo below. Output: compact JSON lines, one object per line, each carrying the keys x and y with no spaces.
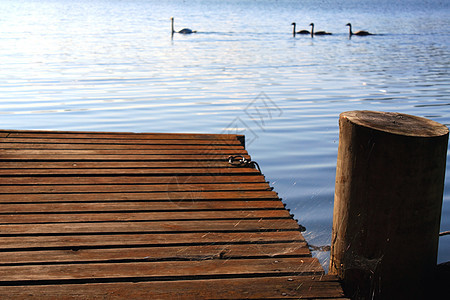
{"x":112,"y":65}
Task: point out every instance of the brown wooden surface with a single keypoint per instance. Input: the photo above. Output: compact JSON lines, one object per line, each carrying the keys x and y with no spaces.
{"x":145,"y":216}
{"x":389,"y":190}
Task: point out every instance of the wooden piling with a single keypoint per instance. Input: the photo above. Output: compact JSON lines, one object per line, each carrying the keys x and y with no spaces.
{"x":388,"y":199}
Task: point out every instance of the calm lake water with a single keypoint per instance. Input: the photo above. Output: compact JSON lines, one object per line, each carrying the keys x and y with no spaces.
{"x":111,"y":65}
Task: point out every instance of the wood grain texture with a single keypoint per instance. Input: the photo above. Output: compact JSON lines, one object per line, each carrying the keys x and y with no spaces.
{"x":129,"y":215}
{"x":156,"y":253}
{"x":279,"y":287}
{"x":389,"y":188}
{"x":88,"y":215}
{"x":174,"y":196}
{"x":115,"y":240}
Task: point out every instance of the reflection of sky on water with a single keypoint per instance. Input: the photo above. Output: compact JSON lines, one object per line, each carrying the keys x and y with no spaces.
{"x":104,"y":65}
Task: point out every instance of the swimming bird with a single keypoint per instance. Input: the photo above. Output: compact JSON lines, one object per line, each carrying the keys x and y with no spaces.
{"x":298,"y":32}
{"x":182,"y":31}
{"x":318,"y":32}
{"x":360,"y":33}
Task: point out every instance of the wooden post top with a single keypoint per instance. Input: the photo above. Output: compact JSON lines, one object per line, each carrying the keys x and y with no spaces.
{"x":396,"y":123}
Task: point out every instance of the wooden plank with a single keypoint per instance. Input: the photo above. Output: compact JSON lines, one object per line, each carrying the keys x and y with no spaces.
{"x":143,"y":271}
{"x":141,"y":171}
{"x":188,"y":253}
{"x":149,"y":226}
{"x":101,"y":188}
{"x":117,"y":164}
{"x":201,"y":148}
{"x":172,"y":196}
{"x":141,"y":216}
{"x":82,"y":241}
{"x":83,"y":152}
{"x":280,"y":287}
{"x":116,"y":141}
{"x":118,"y":180}
{"x":158,"y":206}
{"x":120,"y":135}
{"x":117,"y":157}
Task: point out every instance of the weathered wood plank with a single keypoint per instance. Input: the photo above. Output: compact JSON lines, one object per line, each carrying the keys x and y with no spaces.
{"x":66,"y":152}
{"x":142,"y":271}
{"x":72,"y":146}
{"x":75,"y":242}
{"x":125,"y":188}
{"x":141,"y":171}
{"x":191,"y":252}
{"x":118,"y":179}
{"x":172,"y":196}
{"x":117,"y":141}
{"x":105,"y":207}
{"x":122,"y":216}
{"x":149,"y":226}
{"x":117,"y":164}
{"x":119,"y":135}
{"x":117,"y":157}
{"x":280,"y":287}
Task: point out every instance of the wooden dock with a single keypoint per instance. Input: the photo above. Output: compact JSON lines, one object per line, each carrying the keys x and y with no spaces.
{"x":145,"y":216}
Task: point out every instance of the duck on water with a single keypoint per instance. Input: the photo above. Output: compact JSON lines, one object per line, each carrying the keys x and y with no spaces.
{"x":359,"y":33}
{"x":182,"y":31}
{"x":318,"y":32}
{"x":298,"y":32}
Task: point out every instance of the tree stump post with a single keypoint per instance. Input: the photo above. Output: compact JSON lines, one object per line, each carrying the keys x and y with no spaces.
{"x":388,"y":199}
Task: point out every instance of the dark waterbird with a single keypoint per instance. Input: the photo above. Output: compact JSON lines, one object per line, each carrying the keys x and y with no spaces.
{"x":360,"y":33}
{"x":298,"y":32}
{"x":318,"y":32}
{"x":182,"y":31}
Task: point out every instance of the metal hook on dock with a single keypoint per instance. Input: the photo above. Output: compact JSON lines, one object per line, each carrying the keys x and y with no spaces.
{"x":239,"y":160}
